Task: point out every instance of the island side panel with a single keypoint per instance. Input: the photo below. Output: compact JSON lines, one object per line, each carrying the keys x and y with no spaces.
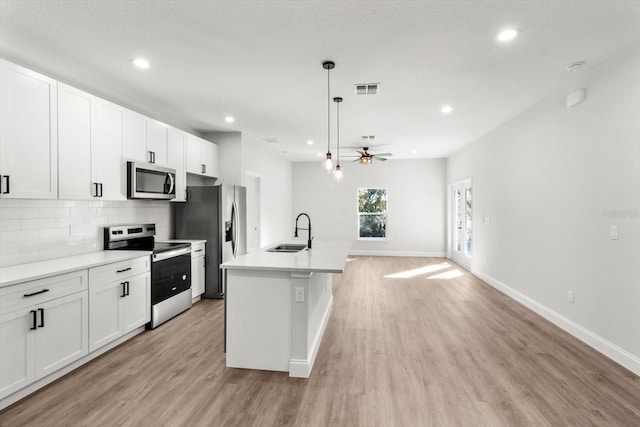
{"x":308,"y":319}
{"x":258,"y":319}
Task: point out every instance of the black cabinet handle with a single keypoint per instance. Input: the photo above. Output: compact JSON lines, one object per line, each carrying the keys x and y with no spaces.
{"x":100,"y":187}
{"x":124,"y":293}
{"x":41,"y":325}
{"x":122,"y":271}
{"x":36,"y":293}
{"x":127,"y":288}
{"x":33,"y":319}
{"x":198,"y":250}
{"x":204,"y":168}
{"x":95,"y":189}
{"x":8,"y":181}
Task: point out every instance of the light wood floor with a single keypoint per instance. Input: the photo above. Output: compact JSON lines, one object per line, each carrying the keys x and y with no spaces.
{"x":429,"y":350}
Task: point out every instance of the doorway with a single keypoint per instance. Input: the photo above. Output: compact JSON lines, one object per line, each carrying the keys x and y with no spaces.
{"x":461,"y":236}
{"x":252,"y":182}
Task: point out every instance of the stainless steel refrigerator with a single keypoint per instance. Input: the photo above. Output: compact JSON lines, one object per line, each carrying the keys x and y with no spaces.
{"x":219,"y":215}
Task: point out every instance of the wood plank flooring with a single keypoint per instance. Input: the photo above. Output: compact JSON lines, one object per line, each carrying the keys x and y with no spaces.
{"x":437,"y":347}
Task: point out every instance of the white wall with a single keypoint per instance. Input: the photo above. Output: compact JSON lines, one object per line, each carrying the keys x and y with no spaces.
{"x":275,"y":173}
{"x":552,"y":181}
{"x":36,"y":230}
{"x":416,"y":204}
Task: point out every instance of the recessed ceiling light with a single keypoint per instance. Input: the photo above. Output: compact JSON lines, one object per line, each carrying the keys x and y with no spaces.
{"x":446,"y":109}
{"x":414,"y":151}
{"x":141,"y":63}
{"x":229,"y":119}
{"x":309,"y":142}
{"x":508,"y":34}
{"x":320,"y":154}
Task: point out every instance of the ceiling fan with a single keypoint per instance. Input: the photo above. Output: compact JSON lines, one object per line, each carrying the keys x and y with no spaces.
{"x":367,"y":158}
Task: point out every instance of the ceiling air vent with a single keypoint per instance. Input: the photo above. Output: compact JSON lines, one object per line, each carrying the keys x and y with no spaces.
{"x":271,"y":140}
{"x":368,"y":138}
{"x":366,"y":88}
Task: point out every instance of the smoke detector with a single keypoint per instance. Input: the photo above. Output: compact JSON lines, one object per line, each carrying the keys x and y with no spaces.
{"x":366,"y":88}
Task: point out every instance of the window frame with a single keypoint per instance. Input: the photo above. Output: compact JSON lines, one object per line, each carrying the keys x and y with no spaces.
{"x":385,"y":213}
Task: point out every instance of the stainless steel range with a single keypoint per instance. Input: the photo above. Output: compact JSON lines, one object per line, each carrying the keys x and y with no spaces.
{"x":170,"y":268}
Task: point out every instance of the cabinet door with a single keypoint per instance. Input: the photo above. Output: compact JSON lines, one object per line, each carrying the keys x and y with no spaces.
{"x":209,"y":154}
{"x":108,"y":166}
{"x":62,"y":334}
{"x":177,"y":162}
{"x":105,"y":323}
{"x":17,"y":351}
{"x":135,"y":137}
{"x":74,"y":143}
{"x":197,"y":276}
{"x":159,"y":142}
{"x":28,"y":134}
{"x":136,"y":310}
{"x":193,"y":163}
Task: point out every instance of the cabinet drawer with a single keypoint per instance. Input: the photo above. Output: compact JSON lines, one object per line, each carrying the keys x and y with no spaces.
{"x":197,"y":249}
{"x":35,"y":292}
{"x":119,"y":270}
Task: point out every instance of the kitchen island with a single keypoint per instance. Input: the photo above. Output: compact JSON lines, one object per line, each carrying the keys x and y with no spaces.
{"x":278,"y":305}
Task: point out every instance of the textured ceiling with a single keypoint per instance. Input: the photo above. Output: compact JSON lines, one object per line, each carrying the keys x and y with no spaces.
{"x":260,"y":61}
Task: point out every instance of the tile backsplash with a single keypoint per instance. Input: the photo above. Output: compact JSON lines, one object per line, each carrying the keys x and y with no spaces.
{"x":36,"y":230}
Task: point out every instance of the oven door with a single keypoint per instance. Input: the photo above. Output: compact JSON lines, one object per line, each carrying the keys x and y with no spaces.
{"x":150,"y":182}
{"x":169,"y":276}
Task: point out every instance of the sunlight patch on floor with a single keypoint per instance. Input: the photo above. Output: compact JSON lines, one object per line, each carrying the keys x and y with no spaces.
{"x":453,"y":274}
{"x":418,"y":271}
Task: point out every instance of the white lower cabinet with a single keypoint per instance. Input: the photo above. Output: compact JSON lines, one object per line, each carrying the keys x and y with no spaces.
{"x":198,"y":265}
{"x":43,"y":327}
{"x":119,"y":300}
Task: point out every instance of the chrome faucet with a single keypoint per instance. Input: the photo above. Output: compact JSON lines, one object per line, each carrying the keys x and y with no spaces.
{"x":295,"y":234}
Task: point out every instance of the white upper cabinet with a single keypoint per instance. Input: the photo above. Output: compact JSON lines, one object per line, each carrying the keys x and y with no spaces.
{"x":75,"y":109}
{"x":202,"y":157}
{"x":90,"y":147}
{"x":135,"y":137}
{"x":108,"y":167}
{"x":176,"y":161}
{"x":146,"y":140}
{"x":28,"y":134}
{"x":158,"y":146}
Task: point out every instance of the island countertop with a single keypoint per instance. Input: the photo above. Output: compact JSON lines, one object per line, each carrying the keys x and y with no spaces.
{"x":323,"y":257}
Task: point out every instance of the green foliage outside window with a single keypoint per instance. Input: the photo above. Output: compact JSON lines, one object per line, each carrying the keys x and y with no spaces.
{"x":372,"y":212}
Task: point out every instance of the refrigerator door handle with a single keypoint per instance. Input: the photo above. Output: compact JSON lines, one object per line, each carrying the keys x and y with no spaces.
{"x":233,"y":228}
{"x":236,"y":228}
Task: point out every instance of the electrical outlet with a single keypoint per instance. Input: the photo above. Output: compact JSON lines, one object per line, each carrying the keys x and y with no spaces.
{"x":613,"y":232}
{"x":299,"y":294}
{"x":571,"y":297}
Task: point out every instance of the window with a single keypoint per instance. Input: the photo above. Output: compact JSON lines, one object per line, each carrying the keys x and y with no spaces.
{"x":372,"y":213}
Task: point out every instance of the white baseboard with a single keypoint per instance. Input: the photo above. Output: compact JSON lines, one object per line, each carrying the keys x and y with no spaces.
{"x":399,"y":253}
{"x":612,"y":351}
{"x":301,"y":368}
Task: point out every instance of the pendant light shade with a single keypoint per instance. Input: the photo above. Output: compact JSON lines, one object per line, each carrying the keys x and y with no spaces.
{"x":328,"y":161}
{"x":338,"y":171}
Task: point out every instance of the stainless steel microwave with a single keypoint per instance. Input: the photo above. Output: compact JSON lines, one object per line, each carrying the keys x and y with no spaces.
{"x":145,"y":181}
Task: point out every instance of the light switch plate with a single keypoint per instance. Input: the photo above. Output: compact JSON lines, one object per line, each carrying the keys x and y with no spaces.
{"x":299,"y":294}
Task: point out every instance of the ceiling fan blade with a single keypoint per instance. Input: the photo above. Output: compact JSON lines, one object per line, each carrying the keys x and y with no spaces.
{"x":357,"y":160}
{"x":379,"y":158}
{"x":383,"y":154}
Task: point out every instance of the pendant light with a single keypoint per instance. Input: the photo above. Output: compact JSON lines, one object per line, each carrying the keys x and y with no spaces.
{"x":338,"y":172}
{"x":328,"y":162}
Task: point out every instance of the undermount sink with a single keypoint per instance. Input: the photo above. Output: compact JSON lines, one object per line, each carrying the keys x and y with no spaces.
{"x":287,"y":248}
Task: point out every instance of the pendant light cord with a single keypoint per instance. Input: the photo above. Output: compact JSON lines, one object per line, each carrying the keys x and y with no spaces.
{"x":338,"y":127}
{"x":328,"y":111}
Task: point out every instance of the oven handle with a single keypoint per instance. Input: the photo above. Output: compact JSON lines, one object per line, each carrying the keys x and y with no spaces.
{"x":170,"y":254}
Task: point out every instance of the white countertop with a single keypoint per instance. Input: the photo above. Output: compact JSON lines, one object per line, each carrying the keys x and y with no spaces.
{"x":37,"y":270}
{"x":324,"y":257}
{"x":182,"y":241}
